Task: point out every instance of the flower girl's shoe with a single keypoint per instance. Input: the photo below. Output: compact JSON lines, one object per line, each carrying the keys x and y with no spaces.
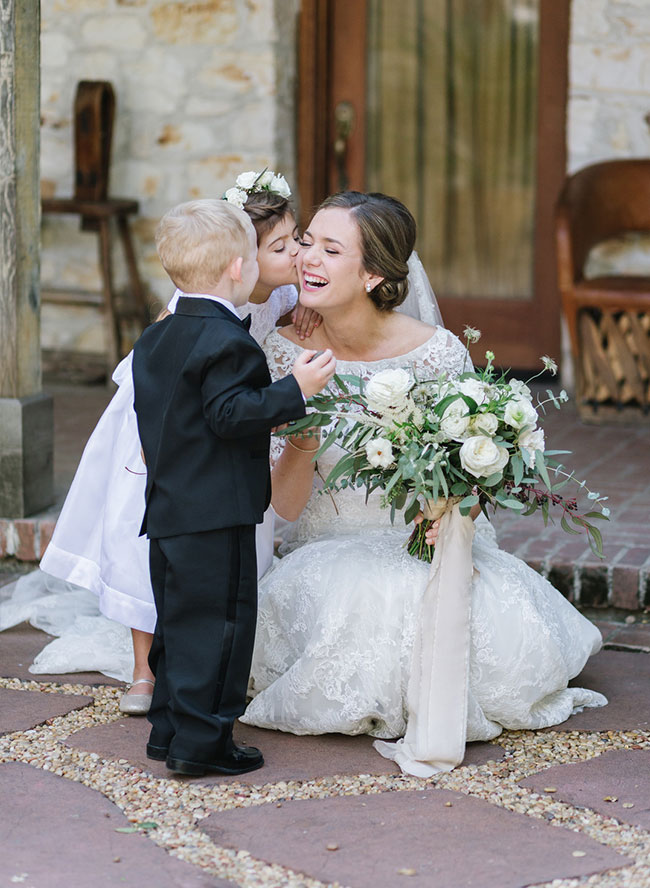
{"x":136,"y":704}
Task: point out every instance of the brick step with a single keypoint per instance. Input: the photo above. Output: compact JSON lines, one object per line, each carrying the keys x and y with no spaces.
{"x":621,"y":581}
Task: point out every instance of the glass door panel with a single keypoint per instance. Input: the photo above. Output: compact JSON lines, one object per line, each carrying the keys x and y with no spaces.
{"x":451,"y":129}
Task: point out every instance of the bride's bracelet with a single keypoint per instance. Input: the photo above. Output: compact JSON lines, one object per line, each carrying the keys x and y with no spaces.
{"x":302,"y":449}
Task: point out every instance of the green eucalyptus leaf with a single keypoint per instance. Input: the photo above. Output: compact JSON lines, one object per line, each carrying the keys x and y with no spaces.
{"x":566,"y":526}
{"x":411,"y":511}
{"x":540,"y":466}
{"x":598,"y":540}
{"x":493,"y":479}
{"x":465,"y":505}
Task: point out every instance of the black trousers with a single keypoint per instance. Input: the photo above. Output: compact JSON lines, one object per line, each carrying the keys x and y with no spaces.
{"x":205,"y":589}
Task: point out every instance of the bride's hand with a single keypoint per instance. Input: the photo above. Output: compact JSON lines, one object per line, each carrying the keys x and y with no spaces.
{"x":431,"y":535}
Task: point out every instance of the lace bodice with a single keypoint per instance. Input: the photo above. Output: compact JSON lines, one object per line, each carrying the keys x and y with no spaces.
{"x":347,"y":511}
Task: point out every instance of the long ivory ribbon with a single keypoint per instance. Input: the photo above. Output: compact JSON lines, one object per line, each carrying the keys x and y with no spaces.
{"x":438,"y":684}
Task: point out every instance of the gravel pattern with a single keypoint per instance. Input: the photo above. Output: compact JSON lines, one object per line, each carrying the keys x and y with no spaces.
{"x":177,"y":807}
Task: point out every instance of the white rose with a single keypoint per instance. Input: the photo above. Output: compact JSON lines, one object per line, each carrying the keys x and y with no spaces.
{"x":484,"y":424}
{"x":481,"y":457}
{"x":388,"y":389}
{"x":530,"y":441}
{"x":280,"y":186}
{"x":246,"y":180}
{"x":474,"y":389}
{"x":520,"y":389}
{"x":265,"y":178}
{"x":380,"y":453}
{"x":455,"y":421}
{"x":236,"y":196}
{"x":520,"y":413}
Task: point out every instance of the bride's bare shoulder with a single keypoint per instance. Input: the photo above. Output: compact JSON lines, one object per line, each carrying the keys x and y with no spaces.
{"x":413,"y":331}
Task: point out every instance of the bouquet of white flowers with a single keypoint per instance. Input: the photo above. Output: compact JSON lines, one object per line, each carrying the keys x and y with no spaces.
{"x":474,"y":439}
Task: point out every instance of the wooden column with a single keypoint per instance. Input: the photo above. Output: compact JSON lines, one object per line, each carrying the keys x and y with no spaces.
{"x":26,"y":433}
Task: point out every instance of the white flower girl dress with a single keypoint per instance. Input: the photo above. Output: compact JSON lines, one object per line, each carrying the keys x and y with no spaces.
{"x":94,"y":583}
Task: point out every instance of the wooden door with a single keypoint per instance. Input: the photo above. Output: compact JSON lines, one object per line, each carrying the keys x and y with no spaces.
{"x":458,"y":109}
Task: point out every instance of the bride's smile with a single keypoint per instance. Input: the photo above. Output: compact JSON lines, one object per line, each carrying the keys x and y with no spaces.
{"x":330,"y":267}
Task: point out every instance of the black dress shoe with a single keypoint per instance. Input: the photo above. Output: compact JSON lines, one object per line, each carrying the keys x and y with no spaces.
{"x":158,"y":753}
{"x":238,"y":760}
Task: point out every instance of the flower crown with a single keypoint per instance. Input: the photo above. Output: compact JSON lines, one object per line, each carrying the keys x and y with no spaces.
{"x":252,"y":183}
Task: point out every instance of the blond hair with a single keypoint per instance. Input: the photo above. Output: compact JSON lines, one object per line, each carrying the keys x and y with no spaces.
{"x":197,"y":241}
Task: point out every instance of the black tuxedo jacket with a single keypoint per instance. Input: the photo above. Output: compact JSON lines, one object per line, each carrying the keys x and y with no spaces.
{"x":205,"y":406}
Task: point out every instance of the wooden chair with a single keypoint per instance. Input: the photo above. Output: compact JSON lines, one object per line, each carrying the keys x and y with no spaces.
{"x":94,"y":112}
{"x":608,"y":317}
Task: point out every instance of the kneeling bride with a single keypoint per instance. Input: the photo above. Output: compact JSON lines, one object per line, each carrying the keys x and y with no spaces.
{"x":339,"y":614}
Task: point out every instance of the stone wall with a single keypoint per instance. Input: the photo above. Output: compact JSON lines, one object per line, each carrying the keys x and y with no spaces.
{"x":204,"y":90}
{"x":609,"y":103}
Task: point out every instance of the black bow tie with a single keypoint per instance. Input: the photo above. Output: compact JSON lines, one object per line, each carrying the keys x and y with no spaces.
{"x":247,"y":322}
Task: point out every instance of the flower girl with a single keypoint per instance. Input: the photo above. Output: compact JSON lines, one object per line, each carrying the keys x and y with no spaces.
{"x":95,"y":544}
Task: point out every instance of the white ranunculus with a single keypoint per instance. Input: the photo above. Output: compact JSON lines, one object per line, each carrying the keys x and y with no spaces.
{"x":530,"y":441}
{"x":265,"y":178}
{"x":520,"y":389}
{"x":484,"y":424}
{"x":380,"y":453}
{"x":455,"y":421}
{"x":474,"y":389}
{"x":236,"y":196}
{"x":280,"y":186}
{"x":388,"y":389}
{"x":246,"y":180}
{"x":520,"y":413}
{"x":480,"y":456}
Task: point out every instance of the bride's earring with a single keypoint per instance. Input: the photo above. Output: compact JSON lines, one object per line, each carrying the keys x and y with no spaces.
{"x":368,"y":287}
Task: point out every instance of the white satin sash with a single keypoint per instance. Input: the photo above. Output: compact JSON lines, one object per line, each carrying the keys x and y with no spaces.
{"x":438,"y":684}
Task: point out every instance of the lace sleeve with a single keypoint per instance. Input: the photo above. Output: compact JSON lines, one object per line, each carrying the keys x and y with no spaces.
{"x":445,"y":353}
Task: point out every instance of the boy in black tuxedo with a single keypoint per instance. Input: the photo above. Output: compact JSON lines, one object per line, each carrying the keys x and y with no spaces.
{"x":206,"y":406}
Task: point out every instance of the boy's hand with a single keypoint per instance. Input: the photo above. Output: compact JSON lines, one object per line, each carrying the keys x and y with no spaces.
{"x":313,"y":375}
{"x":305,"y":320}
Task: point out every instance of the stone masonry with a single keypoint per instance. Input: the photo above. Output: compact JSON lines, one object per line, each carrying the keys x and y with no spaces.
{"x":204,"y":91}
{"x":608,"y":113}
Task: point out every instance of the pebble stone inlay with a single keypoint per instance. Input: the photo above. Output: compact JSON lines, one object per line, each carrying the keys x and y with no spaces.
{"x":178,"y":807}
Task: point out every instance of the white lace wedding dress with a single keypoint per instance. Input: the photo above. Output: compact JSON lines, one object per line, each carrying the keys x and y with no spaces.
{"x":337,"y":614}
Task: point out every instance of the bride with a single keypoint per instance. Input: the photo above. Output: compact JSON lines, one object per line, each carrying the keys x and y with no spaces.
{"x":339,"y":613}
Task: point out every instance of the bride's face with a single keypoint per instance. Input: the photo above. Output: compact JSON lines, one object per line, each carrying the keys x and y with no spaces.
{"x":330,"y":266}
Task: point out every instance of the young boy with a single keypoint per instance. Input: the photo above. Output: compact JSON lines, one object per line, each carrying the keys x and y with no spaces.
{"x":206,"y":406}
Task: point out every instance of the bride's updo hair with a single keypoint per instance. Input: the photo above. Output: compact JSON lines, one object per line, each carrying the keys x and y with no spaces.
{"x":387,"y":231}
{"x":266,"y":209}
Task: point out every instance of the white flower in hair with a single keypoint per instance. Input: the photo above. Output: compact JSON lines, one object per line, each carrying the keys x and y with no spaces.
{"x":236,"y":196}
{"x":280,"y":186}
{"x":246,"y":180}
{"x":252,"y":182}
